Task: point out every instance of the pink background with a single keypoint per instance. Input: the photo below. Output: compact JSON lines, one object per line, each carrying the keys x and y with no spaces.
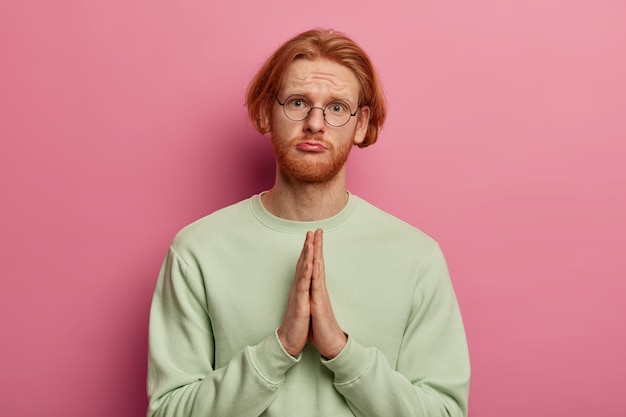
{"x":123,"y":120}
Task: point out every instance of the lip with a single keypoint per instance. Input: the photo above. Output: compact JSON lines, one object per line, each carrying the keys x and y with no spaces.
{"x":311,"y":146}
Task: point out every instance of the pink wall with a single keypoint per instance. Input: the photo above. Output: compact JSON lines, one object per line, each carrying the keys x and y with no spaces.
{"x":122,"y":121}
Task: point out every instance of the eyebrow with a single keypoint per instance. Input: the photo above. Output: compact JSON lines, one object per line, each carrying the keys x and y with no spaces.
{"x":333,"y":98}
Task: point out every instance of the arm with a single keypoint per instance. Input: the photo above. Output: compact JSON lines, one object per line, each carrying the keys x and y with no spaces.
{"x":431,"y":378}
{"x":182,"y":380}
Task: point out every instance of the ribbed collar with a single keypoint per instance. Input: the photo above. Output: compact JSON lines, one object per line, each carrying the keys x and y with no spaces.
{"x":296,"y":227}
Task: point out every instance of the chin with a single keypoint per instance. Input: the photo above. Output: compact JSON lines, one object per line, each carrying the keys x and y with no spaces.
{"x":303,"y":172}
{"x":297,"y":168}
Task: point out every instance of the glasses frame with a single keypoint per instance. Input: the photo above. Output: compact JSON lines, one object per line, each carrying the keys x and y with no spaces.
{"x":323,"y":109}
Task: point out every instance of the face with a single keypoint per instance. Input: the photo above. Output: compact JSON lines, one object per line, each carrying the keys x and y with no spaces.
{"x":311,"y":150}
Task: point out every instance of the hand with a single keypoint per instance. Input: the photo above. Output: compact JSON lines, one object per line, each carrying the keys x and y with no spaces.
{"x":293,"y":332}
{"x":309,"y":312}
{"x":326,"y":334}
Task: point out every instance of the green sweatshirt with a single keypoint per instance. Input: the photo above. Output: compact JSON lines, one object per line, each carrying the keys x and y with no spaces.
{"x":222,"y":293}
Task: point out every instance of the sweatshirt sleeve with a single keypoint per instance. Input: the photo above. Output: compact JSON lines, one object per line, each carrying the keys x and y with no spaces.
{"x":182,"y":380}
{"x":431,"y":377}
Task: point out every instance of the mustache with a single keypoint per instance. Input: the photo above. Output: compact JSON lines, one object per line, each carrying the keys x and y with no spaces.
{"x":311,"y":138}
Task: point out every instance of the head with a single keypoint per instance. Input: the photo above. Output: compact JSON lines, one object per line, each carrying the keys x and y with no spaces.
{"x":311,"y":45}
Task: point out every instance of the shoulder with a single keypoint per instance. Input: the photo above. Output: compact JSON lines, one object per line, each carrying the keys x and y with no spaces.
{"x":380,"y":222}
{"x":213,"y":225}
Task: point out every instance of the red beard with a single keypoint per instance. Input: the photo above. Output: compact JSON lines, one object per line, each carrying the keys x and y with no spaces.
{"x":297,"y":167}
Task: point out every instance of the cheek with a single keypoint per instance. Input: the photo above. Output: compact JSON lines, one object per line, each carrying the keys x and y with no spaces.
{"x":351,"y":135}
{"x":283,"y":128}
{"x":276,"y":122}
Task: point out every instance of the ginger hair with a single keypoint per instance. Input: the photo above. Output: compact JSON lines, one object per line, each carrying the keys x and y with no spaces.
{"x":317,"y":44}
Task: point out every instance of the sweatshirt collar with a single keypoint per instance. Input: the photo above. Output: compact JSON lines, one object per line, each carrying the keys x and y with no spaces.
{"x":298,"y":227}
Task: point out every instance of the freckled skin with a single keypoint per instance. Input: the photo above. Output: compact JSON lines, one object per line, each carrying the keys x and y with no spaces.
{"x":321,"y":81}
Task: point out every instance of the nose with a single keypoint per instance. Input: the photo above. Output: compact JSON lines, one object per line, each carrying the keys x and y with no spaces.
{"x":315,"y":121}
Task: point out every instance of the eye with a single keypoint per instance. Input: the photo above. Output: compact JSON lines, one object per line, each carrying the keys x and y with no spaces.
{"x":298,"y":103}
{"x":338,"y":107}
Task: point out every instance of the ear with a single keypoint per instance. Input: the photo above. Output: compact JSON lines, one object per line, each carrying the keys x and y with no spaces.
{"x":264,"y":121}
{"x":362,"y":123}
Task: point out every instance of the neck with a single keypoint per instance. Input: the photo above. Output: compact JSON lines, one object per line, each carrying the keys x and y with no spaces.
{"x":305,"y":201}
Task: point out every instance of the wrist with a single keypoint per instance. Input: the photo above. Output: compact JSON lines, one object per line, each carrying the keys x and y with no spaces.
{"x":287,"y":347}
{"x":337,"y":348}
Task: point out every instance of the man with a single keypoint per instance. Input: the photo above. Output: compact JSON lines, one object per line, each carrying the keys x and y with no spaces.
{"x":360,"y":320}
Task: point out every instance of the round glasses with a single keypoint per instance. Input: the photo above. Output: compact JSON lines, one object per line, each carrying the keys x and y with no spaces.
{"x":297,"y":108}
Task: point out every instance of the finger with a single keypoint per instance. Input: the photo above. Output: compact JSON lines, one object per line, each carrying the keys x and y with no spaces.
{"x":317,"y":279}
{"x":306,"y":254}
{"x":319,"y":244}
{"x":319,"y":293}
{"x":304,"y":269}
{"x":319,"y":274}
{"x":303,"y":253}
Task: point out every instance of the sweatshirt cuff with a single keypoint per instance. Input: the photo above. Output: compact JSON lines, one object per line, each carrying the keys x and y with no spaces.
{"x":270,"y":359}
{"x":351,"y":363}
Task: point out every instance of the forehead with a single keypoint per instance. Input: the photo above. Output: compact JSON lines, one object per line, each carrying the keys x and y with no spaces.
{"x":320,"y":76}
